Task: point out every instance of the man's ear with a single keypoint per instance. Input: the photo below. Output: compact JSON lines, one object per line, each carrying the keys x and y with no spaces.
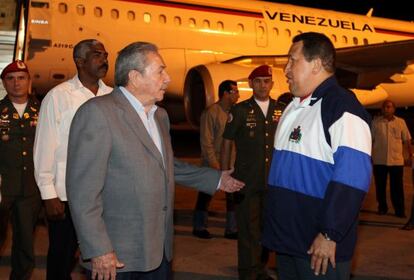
{"x":316,"y":65}
{"x":134,"y":77}
{"x":79,"y":62}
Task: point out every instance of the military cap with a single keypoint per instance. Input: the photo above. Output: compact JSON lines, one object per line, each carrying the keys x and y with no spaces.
{"x":261,"y":71}
{"x":15,"y":66}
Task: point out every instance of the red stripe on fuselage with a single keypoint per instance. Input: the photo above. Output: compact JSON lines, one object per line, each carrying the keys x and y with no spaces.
{"x":198,"y":8}
{"x":394,"y":32}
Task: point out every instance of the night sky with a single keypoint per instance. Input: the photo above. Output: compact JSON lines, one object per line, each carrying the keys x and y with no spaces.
{"x":395,"y":9}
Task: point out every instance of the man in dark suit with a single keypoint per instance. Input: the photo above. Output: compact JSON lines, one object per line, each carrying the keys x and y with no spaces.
{"x":20,"y":202}
{"x":121,"y":172}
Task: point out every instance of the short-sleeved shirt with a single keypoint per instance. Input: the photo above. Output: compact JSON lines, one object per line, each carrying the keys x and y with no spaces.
{"x":387,"y":139}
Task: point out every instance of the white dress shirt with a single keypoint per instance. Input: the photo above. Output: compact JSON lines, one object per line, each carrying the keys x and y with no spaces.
{"x":147,"y":119}
{"x":52,"y":134}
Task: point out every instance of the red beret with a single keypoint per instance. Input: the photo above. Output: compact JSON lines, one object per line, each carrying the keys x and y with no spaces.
{"x":16,"y":66}
{"x":261,"y":71}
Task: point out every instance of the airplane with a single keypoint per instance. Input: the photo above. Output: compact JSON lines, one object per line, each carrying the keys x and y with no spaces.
{"x":204,"y":42}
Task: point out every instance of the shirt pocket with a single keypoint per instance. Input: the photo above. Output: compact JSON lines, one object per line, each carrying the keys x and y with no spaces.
{"x":396,"y":133}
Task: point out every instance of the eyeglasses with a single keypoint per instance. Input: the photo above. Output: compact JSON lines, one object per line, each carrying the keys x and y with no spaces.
{"x":232,"y":91}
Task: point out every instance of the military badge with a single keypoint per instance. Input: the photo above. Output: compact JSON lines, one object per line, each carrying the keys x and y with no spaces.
{"x":15,"y":116}
{"x":276,"y":115}
{"x":33,"y":109}
{"x":26,"y":115}
{"x":295,"y":135}
{"x":20,"y":64}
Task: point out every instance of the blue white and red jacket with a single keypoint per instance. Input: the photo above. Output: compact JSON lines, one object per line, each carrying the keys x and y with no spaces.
{"x":320,"y":172}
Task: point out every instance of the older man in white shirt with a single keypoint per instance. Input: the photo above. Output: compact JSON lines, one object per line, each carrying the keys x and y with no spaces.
{"x":50,"y":150}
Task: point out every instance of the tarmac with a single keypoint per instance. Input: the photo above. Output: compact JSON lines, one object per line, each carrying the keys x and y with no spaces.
{"x":383,"y":250}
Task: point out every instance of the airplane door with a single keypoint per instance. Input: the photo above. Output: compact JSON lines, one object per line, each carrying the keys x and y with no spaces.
{"x":261,"y":33}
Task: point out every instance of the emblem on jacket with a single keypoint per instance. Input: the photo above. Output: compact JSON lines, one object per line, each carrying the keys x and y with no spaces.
{"x":295,"y":135}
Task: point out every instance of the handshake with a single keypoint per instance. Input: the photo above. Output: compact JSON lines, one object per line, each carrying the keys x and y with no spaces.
{"x":228,"y":183}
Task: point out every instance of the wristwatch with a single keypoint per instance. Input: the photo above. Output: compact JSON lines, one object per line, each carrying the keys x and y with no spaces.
{"x":326,"y":236}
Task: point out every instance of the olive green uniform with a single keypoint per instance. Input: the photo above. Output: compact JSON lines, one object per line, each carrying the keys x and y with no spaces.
{"x":20,"y":198}
{"x":253,"y":134}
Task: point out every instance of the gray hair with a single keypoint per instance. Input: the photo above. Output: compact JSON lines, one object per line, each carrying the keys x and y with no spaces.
{"x":132,"y":57}
{"x":82,"y":47}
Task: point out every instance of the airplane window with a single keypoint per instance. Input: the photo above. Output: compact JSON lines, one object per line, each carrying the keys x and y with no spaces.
{"x":192,"y":22}
{"x":355,"y":41}
{"x":177,"y":21}
{"x":288,"y":32}
{"x":114,"y":14}
{"x":147,"y":17}
{"x":344,"y":40}
{"x":365,"y":41}
{"x":40,"y":5}
{"x":131,"y":15}
{"x":206,"y":24}
{"x":333,"y":37}
{"x":163,"y":19}
{"x":220,"y":25}
{"x":63,"y":8}
{"x":275,"y":32}
{"x":240,"y":28}
{"x":97,"y":12}
{"x":80,"y":9}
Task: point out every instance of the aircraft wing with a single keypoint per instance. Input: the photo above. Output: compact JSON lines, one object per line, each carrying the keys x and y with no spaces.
{"x":361,"y":67}
{"x":364,"y":67}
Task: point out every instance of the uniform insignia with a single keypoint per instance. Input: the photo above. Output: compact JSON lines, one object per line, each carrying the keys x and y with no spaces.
{"x":26,"y":115}
{"x":229,"y":118}
{"x":276,"y":115}
{"x":295,"y":135}
{"x":33,"y":123}
{"x":15,"y":116}
{"x":20,"y":64}
{"x":33,"y":109}
{"x":4,"y":122}
{"x":4,"y":116}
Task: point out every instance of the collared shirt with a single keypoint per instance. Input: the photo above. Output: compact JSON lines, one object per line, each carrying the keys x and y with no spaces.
{"x":147,"y":119}
{"x":388,"y":138}
{"x":51,"y":142}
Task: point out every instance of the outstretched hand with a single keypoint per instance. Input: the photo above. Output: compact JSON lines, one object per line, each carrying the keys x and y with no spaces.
{"x":228,"y":183}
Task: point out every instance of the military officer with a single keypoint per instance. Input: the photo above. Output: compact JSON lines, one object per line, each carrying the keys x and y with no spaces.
{"x":20,"y":196}
{"x":252,"y":125}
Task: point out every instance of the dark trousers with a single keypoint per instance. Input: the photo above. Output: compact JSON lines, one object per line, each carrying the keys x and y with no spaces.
{"x":62,"y":248}
{"x":411,"y":220}
{"x":163,"y":272}
{"x":252,"y":257}
{"x":201,"y":212}
{"x":23,"y":213}
{"x":293,"y":268}
{"x":396,"y":187}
